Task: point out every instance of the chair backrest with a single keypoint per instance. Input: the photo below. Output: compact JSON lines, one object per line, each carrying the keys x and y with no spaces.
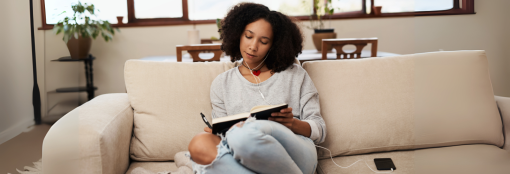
{"x":338,"y":44}
{"x":194,"y":51}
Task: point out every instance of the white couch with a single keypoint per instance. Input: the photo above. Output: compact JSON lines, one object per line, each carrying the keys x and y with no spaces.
{"x":430,"y":113}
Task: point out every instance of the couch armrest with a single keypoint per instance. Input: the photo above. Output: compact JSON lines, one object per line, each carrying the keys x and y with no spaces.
{"x":504,"y":109}
{"x":93,"y":138}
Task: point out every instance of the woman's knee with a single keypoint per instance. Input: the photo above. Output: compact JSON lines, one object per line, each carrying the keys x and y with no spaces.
{"x":263,"y":126}
{"x":243,"y":140}
{"x":203,"y":149}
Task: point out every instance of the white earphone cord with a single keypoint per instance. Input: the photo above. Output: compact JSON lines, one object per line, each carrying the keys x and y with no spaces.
{"x":257,"y":79}
{"x":331,"y":156}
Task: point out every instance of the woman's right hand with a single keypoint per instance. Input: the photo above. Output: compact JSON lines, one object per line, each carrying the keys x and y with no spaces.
{"x":207,"y":129}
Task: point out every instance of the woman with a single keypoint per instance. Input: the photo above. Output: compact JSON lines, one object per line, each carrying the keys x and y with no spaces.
{"x":267,"y":42}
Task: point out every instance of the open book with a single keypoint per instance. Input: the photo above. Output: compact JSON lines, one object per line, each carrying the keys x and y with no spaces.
{"x":262,"y":112}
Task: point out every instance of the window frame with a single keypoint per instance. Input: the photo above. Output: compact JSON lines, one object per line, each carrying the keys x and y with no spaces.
{"x":132,"y":18}
{"x":468,"y":7}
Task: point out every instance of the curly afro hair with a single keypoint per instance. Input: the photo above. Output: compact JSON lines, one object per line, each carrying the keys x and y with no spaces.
{"x":287,"y":41}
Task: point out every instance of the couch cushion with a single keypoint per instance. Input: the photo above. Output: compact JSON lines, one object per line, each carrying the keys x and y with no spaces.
{"x":403,"y":160}
{"x":466,"y":159}
{"x":167,"y":98}
{"x":153,"y":166}
{"x":406,"y":102}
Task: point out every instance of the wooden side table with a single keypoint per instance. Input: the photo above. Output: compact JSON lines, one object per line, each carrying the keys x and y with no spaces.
{"x":89,"y":76}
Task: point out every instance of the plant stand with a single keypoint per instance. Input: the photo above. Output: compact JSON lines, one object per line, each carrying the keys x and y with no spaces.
{"x":89,"y":76}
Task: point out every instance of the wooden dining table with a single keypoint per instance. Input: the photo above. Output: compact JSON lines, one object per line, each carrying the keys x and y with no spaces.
{"x":306,"y":55}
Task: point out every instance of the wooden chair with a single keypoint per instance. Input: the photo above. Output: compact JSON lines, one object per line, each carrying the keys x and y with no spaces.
{"x":338,"y":44}
{"x":194,"y":51}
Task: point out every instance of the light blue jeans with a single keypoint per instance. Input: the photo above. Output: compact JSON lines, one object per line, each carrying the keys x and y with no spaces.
{"x":262,"y":146}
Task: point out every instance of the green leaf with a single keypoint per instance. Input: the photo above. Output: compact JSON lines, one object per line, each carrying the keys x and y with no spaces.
{"x":89,"y":32}
{"x":90,"y":8}
{"x":78,"y":8}
{"x":66,"y":38}
{"x":59,"y":30}
{"x":55,"y":28}
{"x":104,"y":37}
{"x":107,"y":34}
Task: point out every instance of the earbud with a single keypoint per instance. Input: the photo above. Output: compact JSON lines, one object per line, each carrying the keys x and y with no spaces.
{"x":262,"y":95}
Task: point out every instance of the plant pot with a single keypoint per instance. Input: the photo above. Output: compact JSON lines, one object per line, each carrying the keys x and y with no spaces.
{"x":79,"y":48}
{"x":119,"y":20}
{"x":377,"y":10}
{"x":217,"y":41}
{"x":317,"y":40}
{"x":325,"y":30}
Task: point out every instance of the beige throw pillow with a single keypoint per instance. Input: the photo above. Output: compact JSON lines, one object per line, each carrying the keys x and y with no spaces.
{"x":406,"y":102}
{"x":167,"y":98}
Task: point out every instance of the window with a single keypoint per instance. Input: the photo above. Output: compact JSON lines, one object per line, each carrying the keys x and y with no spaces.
{"x":213,"y":9}
{"x":397,"y":6}
{"x":342,"y":6}
{"x":393,"y":6}
{"x":178,"y":12}
{"x":108,"y":10}
{"x":147,"y":9}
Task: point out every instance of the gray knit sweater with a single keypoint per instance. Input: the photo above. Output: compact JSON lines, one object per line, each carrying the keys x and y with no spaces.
{"x":232,"y":94}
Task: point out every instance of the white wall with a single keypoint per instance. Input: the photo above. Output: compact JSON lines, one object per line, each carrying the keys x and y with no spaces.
{"x":16,"y":81}
{"x":485,"y":30}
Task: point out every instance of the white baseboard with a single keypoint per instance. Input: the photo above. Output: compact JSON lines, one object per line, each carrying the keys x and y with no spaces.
{"x":15,"y":130}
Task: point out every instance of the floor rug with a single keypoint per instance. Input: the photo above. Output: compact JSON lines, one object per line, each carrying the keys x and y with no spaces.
{"x":36,"y":169}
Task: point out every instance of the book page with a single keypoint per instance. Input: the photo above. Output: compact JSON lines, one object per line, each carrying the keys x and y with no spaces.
{"x":259,"y":107}
{"x":264,"y":107}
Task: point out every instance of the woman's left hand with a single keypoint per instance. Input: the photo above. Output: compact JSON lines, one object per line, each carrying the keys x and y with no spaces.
{"x":284,"y":117}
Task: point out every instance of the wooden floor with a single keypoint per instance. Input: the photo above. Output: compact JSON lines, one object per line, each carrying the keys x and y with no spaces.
{"x":22,"y":150}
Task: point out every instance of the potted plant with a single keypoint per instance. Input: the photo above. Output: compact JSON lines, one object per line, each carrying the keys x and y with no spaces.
{"x":215,"y":39}
{"x":322,"y":7}
{"x":79,"y":30}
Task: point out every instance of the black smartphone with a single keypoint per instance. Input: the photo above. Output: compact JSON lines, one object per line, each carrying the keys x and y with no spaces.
{"x":384,"y":164}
